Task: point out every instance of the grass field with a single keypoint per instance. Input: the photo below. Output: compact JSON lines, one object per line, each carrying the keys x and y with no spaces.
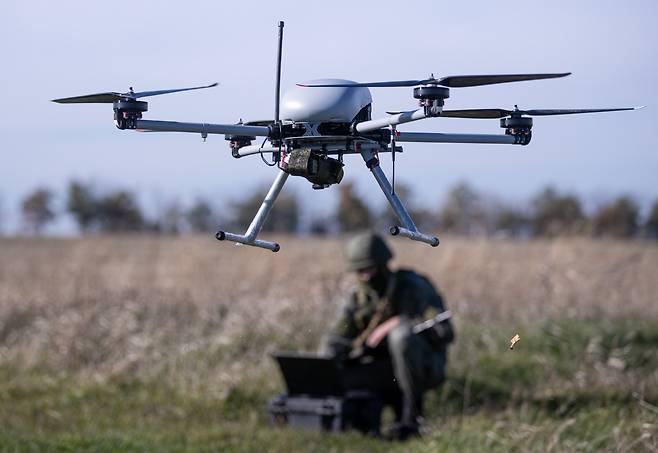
{"x":161,"y":344}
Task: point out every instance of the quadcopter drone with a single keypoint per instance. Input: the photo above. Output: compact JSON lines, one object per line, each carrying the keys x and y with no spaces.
{"x":321,"y":121}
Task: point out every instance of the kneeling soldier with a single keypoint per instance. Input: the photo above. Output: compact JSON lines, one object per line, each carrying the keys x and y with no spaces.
{"x":374,"y":336}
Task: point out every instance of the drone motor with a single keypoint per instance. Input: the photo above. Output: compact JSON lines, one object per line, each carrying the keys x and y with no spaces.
{"x":431,"y":97}
{"x":127,"y":111}
{"x":518,"y":126}
{"x":238,"y":141}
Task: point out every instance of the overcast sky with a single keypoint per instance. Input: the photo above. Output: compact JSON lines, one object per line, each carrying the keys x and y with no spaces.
{"x":57,"y":49}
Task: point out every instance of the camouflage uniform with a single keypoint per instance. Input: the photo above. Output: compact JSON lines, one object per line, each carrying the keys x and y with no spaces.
{"x":418,"y":360}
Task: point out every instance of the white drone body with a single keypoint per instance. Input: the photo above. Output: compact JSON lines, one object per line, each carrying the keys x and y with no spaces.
{"x":318,"y":122}
{"x":324,"y":105}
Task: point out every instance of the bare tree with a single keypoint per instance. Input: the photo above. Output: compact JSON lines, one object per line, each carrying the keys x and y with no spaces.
{"x":200,"y":217}
{"x":82,"y":204}
{"x":616,"y":219}
{"x":119,"y":212}
{"x":651,"y":225}
{"x":464,"y":211}
{"x":352,"y":213}
{"x":511,"y":221}
{"x":37,"y":210}
{"x":171,"y":220}
{"x":555,"y":214}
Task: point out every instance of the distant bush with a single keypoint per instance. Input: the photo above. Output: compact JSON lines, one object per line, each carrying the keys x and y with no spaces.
{"x":555,"y":214}
{"x":463,"y":211}
{"x":352,"y":213}
{"x":511,"y":222}
{"x":81,"y":203}
{"x":651,"y":225}
{"x":617,"y":219}
{"x":119,"y":212}
{"x":113,"y":212}
{"x":200,"y":217}
{"x":37,"y":209}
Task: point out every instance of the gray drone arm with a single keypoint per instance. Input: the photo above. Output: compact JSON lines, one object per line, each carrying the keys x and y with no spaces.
{"x":436,"y":137}
{"x":391,"y":120}
{"x":202,"y":128}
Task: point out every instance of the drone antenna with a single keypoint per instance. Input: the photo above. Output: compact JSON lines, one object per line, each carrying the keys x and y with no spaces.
{"x":278,"y":74}
{"x":277,"y":95}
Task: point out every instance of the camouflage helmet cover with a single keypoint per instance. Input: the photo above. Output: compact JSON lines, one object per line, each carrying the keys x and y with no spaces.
{"x":365,"y":250}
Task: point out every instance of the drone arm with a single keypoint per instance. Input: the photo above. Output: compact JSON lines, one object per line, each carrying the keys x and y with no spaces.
{"x":202,"y":128}
{"x":391,"y":120}
{"x":436,"y":137}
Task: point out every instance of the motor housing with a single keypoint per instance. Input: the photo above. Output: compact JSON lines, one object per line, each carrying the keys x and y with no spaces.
{"x":431,"y":97}
{"x":127,"y":111}
{"x":518,"y":126}
{"x":235,"y":142}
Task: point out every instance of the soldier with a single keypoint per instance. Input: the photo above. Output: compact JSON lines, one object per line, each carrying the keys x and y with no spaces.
{"x":374,"y":337}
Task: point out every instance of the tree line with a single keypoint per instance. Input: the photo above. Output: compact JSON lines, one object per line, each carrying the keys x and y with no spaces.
{"x":465,"y":211}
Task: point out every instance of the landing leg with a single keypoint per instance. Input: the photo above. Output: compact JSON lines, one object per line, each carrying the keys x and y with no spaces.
{"x":408,"y":228}
{"x":249,"y":238}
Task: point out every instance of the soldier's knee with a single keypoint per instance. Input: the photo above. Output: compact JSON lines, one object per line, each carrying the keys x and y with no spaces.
{"x":400,"y":338}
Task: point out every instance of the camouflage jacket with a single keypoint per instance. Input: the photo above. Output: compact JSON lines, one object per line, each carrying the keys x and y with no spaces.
{"x":409,"y":295}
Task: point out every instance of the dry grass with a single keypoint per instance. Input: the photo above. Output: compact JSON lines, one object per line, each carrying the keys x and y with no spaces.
{"x":202,"y":316}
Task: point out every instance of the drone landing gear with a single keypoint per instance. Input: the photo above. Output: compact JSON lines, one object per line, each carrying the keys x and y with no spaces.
{"x":249,"y":238}
{"x":408,"y":228}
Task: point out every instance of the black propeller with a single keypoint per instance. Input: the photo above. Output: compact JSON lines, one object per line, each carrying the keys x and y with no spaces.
{"x":112,"y":96}
{"x":458,"y":81}
{"x":502,"y":113}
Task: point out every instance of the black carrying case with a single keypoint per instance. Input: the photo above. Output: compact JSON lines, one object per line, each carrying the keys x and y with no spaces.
{"x":354,"y":410}
{"x":316,"y":398}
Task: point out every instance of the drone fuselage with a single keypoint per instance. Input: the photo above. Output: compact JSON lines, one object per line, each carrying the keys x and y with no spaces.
{"x":326,"y":105}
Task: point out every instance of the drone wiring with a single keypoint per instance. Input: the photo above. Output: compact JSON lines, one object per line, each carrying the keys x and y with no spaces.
{"x":262,"y":156}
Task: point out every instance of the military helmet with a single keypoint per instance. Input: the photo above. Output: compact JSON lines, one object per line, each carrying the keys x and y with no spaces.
{"x":365,"y":250}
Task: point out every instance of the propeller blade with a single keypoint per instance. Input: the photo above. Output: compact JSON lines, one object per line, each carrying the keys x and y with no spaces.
{"x":462,"y":81}
{"x":476,"y":113}
{"x":396,"y":83}
{"x":502,"y":113}
{"x":98,"y":98}
{"x":142,"y":94}
{"x":545,"y":112}
{"x":113,"y":96}
{"x":459,"y":81}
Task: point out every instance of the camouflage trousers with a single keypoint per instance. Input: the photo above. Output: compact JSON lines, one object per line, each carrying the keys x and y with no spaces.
{"x":417,"y":367}
{"x":400,"y":372}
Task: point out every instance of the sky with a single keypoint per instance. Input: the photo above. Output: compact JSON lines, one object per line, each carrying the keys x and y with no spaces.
{"x":66,"y":48}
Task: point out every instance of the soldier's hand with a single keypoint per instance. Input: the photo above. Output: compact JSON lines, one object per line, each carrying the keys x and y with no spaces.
{"x":381,"y":331}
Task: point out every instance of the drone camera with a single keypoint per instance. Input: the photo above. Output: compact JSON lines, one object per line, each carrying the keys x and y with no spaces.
{"x":518,"y":126}
{"x":431,"y":98}
{"x":317,"y":168}
{"x":127,"y":111}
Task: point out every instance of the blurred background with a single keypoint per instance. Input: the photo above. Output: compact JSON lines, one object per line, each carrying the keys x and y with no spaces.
{"x":58,"y":50}
{"x":124,"y":324}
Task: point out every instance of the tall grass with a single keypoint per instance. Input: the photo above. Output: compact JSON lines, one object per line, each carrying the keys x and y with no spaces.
{"x":162,"y":330}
